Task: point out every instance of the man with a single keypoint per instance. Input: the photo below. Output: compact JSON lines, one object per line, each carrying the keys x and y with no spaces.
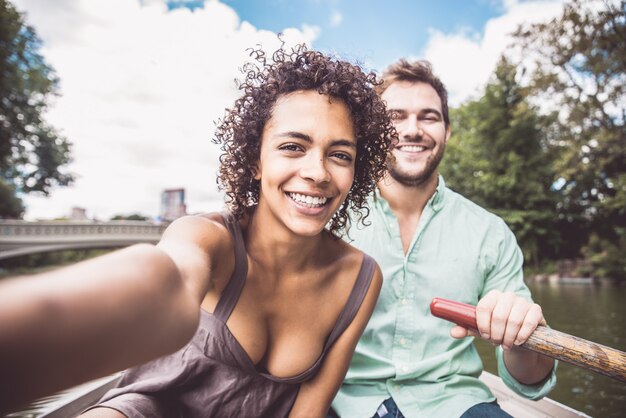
{"x":432,"y":242}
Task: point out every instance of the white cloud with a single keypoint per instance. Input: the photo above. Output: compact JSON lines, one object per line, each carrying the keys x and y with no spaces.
{"x":140,"y":89}
{"x":464,"y":60}
{"x":336,"y":18}
{"x":509,"y":4}
{"x":306,"y":32}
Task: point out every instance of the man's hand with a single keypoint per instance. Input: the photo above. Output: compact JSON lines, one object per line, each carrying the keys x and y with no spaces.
{"x":503,"y":319}
{"x":508,"y":320}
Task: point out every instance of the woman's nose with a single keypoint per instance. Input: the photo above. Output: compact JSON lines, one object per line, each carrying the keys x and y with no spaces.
{"x":315,"y":169}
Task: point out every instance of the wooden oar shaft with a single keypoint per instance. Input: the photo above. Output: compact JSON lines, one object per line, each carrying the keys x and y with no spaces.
{"x":579,"y":352}
{"x":556,"y":344}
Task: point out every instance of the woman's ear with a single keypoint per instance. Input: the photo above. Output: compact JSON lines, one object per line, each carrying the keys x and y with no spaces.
{"x":256,"y":171}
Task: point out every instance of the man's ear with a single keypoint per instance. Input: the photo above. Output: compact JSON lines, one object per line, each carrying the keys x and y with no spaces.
{"x":448,"y":133}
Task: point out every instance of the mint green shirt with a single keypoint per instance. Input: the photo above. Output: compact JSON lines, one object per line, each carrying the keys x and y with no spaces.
{"x":460,"y":252}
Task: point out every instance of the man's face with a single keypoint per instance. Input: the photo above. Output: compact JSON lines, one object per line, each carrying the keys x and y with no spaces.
{"x":422,"y":133}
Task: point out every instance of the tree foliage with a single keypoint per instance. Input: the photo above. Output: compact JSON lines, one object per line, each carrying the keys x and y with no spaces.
{"x":497,"y":157}
{"x":545,"y":147}
{"x":31,"y":151}
{"x":579,"y":67}
{"x":10,"y":205}
{"x":131,"y":217}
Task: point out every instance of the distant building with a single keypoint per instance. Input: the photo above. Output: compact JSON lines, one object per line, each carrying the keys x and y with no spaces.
{"x":172,"y":204}
{"x":78,"y":214}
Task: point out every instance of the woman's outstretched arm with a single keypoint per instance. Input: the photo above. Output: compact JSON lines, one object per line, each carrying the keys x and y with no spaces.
{"x":67,"y":326}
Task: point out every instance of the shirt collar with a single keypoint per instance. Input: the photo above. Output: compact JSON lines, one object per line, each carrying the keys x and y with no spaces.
{"x":436,"y":201}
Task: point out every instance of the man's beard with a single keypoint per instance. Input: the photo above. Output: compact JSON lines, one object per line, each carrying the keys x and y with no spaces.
{"x":415,"y":179}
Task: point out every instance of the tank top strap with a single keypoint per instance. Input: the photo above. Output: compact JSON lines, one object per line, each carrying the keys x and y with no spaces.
{"x":359,"y":290}
{"x":357,"y":294}
{"x":231,"y":292}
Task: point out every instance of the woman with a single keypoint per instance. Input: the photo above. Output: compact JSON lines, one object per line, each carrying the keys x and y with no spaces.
{"x":282,"y":300}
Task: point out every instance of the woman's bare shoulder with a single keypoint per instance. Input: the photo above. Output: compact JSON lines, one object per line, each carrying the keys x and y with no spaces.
{"x":202,"y":248}
{"x":198,"y":229}
{"x":350,"y":258}
{"x":344,"y":255}
{"x":205,"y":235}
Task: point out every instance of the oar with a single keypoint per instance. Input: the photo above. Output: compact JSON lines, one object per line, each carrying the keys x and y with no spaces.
{"x":556,"y":344}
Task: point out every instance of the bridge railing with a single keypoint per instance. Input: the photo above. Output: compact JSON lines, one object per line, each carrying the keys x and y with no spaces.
{"x":22,"y":237}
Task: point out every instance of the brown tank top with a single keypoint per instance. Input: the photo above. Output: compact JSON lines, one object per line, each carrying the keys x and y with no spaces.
{"x":213,"y":376}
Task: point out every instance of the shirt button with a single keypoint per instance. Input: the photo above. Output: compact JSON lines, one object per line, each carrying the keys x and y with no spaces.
{"x":403,"y":301}
{"x":402,"y":341}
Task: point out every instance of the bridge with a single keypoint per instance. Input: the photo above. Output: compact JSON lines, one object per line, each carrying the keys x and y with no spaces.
{"x":19,"y":238}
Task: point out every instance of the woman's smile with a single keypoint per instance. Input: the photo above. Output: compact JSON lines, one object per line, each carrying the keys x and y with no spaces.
{"x":308,"y":200}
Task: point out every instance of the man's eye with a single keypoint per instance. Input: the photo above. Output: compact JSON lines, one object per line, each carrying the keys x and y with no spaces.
{"x":431,"y":118}
{"x":395,"y":115}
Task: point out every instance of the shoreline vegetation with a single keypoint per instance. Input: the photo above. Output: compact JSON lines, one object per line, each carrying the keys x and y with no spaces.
{"x":555,"y":279}
{"x":578,"y":272}
{"x":38,"y":263}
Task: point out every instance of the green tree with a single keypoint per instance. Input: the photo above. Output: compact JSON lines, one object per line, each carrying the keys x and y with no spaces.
{"x":578,"y":66}
{"x":132,"y":217}
{"x":10,"y":205}
{"x":497,"y":157}
{"x":31,"y":151}
{"x":607,"y":257}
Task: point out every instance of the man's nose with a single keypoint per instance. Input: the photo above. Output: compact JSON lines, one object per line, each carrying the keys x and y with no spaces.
{"x":412,"y":128}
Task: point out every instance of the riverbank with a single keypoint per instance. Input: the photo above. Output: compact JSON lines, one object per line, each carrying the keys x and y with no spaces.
{"x":38,"y":263}
{"x":573,"y":271}
{"x":556,"y":279}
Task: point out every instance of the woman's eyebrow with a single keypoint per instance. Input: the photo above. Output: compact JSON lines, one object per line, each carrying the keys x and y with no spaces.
{"x":295,"y":134}
{"x":307,"y":138}
{"x":344,"y":142}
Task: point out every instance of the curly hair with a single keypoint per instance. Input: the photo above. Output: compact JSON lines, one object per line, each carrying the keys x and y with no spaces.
{"x":239,"y":132}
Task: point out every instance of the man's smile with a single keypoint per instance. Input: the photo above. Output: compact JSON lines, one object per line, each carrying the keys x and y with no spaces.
{"x":411,"y":148}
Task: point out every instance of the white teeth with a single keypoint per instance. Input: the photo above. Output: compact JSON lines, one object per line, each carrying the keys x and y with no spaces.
{"x":310,"y":201}
{"x":412,"y":148}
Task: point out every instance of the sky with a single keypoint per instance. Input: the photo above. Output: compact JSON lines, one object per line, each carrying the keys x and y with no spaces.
{"x":143,"y":82}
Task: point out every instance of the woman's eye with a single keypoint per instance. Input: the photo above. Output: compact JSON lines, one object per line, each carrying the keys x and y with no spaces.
{"x":290,"y":147}
{"x":343,"y":156}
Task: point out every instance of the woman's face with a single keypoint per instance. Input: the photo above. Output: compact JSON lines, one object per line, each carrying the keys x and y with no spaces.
{"x":306,"y":162}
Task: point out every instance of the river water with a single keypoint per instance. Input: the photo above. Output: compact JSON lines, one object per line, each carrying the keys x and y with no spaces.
{"x":591,"y":312}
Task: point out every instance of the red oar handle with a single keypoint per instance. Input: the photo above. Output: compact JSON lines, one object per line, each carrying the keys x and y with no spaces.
{"x":550,"y":342}
{"x":460,"y":313}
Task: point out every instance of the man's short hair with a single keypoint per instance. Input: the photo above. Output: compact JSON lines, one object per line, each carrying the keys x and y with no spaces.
{"x":416,"y":71}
